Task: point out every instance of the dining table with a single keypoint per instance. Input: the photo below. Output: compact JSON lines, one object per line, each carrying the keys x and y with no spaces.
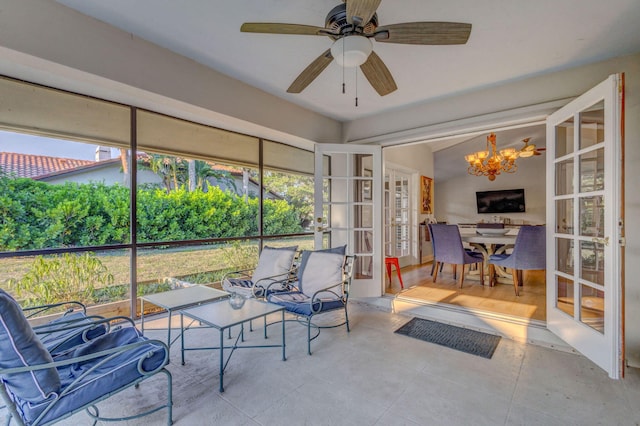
{"x":489,"y":244}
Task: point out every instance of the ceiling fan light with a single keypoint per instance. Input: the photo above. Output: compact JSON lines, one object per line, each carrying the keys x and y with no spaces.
{"x":351,"y":51}
{"x":508,"y":152}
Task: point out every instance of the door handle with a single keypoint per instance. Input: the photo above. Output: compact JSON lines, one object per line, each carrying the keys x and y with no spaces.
{"x":604,"y":241}
{"x":319,"y":227}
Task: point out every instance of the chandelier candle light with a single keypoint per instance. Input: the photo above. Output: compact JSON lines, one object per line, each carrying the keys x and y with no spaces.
{"x":490,"y":163}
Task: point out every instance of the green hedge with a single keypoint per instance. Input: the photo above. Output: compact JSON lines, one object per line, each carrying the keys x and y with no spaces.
{"x":35,"y":215}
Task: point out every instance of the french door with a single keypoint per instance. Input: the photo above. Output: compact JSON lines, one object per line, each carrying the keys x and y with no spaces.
{"x":397,"y":214}
{"x":348,"y":192}
{"x":584,"y":220}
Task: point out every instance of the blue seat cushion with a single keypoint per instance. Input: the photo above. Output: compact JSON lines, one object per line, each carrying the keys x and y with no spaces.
{"x":20,"y":347}
{"x":298,"y":303}
{"x":111,"y":376}
{"x":68,"y":331}
{"x":238,"y":285}
{"x":245,"y":287}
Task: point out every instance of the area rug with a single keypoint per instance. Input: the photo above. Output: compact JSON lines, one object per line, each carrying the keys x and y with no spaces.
{"x":462,"y":339}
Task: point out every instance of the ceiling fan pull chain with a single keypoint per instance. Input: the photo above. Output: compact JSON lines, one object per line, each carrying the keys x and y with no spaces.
{"x":343,"y":85}
{"x":356,"y":68}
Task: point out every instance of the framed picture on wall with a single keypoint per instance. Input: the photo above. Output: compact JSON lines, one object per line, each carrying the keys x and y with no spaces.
{"x":426,"y":195}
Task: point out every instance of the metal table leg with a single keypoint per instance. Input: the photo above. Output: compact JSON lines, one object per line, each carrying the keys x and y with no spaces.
{"x":182,"y":337}
{"x":221,"y":361}
{"x":284,"y":356}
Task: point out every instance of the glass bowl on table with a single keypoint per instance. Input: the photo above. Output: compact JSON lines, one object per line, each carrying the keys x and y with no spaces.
{"x":236,"y":300}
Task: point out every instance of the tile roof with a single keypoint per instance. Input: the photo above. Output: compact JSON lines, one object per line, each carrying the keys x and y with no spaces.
{"x":32,"y":166}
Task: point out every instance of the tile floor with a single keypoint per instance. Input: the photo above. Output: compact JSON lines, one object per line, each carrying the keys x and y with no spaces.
{"x":372,"y":376}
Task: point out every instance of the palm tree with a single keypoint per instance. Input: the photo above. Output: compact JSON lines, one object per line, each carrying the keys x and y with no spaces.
{"x":171,"y":169}
{"x":124,"y":159}
{"x":175,"y":172}
{"x":192,"y":175}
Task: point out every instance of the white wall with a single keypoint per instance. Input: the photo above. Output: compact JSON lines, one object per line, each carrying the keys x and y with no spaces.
{"x":455,"y":198}
{"x":107,"y":175}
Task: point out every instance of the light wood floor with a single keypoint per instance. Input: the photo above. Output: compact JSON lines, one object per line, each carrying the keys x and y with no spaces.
{"x":499,"y":299}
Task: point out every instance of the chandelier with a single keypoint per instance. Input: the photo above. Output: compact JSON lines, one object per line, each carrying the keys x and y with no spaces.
{"x":491,"y":163}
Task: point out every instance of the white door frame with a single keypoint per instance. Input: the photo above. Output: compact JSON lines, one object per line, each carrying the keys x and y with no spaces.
{"x":341,"y":224}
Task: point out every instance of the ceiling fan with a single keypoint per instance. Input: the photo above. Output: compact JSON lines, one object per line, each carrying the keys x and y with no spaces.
{"x":529,"y":150}
{"x":351,"y":25}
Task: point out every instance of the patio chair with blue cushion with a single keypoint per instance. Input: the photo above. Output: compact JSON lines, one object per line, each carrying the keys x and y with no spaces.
{"x":39,"y":388}
{"x":529,"y":253}
{"x":70,"y":328}
{"x":274,"y":269}
{"x":62,"y":325}
{"x":322,"y":286}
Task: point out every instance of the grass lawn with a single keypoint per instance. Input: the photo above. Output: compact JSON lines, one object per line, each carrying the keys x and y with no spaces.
{"x":201,"y":264}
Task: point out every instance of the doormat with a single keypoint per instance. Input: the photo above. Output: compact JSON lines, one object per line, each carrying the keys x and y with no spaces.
{"x":462,"y":339}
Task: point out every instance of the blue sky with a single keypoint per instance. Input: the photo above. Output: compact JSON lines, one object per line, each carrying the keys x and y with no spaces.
{"x":30,"y":144}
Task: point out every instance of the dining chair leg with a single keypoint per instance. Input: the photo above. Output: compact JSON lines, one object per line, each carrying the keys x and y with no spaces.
{"x":520,"y":279}
{"x":435,"y":272}
{"x":481,"y":266}
{"x":515,"y":281}
{"x":461,"y":280}
{"x":434,"y":265}
{"x":492,"y":278}
{"x":455,"y":270}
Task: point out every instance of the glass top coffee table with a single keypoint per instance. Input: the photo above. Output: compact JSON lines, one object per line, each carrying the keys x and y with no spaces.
{"x":221,"y":316}
{"x":179,"y":299}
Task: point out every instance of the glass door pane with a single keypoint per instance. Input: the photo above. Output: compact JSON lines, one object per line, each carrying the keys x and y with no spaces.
{"x":397,"y":209}
{"x":402,"y":213}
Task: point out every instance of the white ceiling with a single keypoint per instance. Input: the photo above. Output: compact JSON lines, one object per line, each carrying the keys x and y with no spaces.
{"x":510,"y":40}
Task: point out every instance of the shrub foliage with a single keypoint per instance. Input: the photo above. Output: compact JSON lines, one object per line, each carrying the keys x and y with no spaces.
{"x":35,"y":215}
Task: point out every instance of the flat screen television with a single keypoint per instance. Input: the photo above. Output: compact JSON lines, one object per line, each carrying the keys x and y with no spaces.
{"x":504,"y":201}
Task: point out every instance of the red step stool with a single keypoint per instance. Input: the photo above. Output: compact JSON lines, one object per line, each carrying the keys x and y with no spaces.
{"x":388,"y":261}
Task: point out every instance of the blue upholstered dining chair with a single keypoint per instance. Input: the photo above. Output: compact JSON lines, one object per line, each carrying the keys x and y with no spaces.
{"x":529,"y":253}
{"x":448,"y":248}
{"x":322,"y":286}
